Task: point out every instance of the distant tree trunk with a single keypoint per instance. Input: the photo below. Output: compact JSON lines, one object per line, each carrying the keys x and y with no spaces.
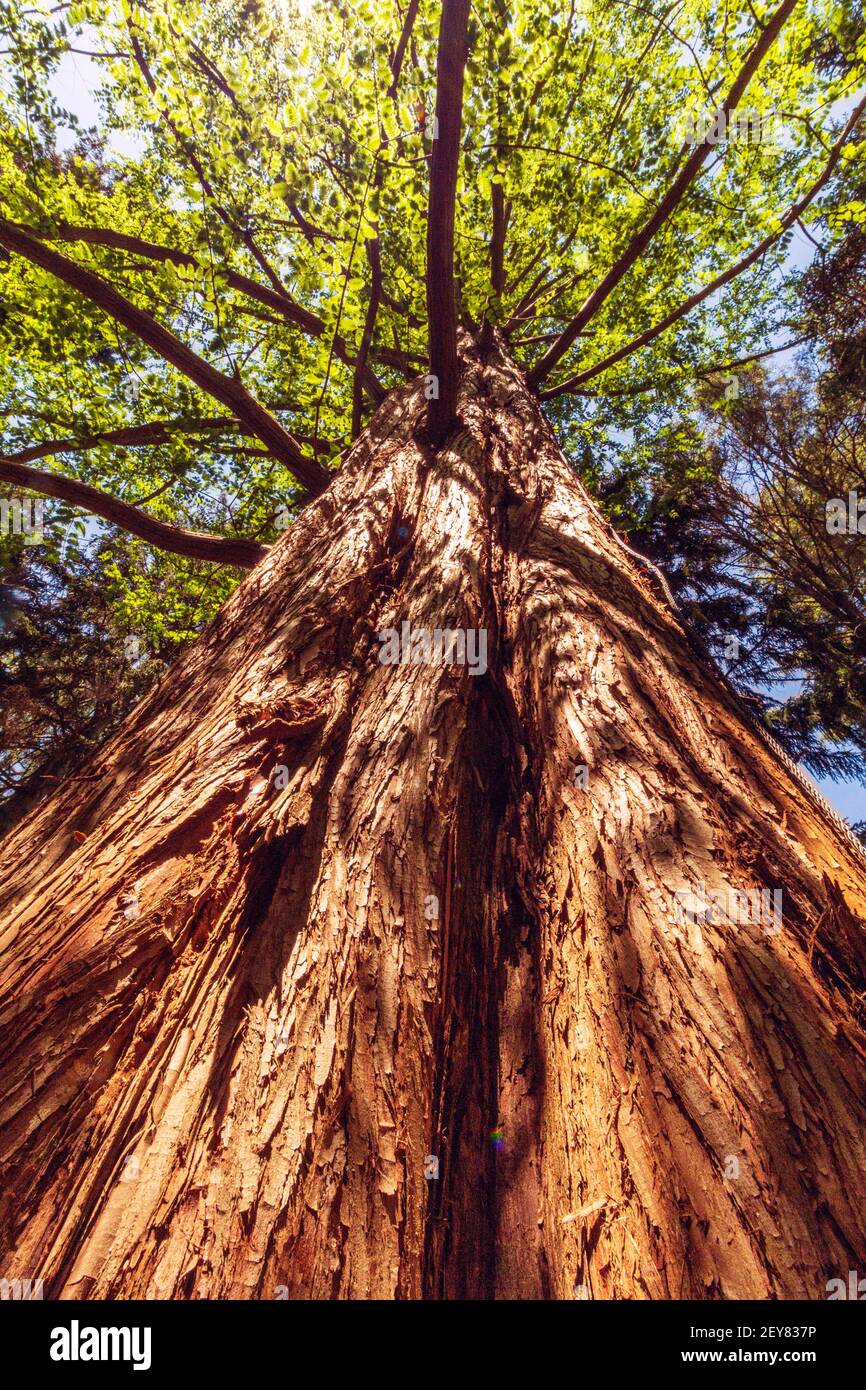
{"x":311,"y":918}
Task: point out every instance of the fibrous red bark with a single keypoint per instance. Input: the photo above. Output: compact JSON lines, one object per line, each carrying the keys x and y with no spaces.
{"x":311,"y":918}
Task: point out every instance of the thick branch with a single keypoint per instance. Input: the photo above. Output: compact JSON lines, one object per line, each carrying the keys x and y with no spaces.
{"x":229,"y":391}
{"x":444,"y":161}
{"x":497,"y":239}
{"x":669,"y":204}
{"x":400,"y":52}
{"x":409,"y":363}
{"x":195,"y":545}
{"x":375,"y":259}
{"x":700,"y":295}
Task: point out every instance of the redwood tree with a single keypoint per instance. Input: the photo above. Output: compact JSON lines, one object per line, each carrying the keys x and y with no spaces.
{"x":334,"y":976}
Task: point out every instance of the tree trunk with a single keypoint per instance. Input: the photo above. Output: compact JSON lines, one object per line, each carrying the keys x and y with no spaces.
{"x":312,"y":918}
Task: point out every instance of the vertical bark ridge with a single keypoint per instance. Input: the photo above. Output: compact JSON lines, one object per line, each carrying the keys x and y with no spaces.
{"x":705,"y":1041}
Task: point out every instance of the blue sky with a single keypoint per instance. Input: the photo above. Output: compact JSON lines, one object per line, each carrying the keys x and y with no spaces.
{"x":847,"y":797}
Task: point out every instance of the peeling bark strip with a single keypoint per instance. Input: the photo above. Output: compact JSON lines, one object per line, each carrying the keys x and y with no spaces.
{"x":380,"y":922}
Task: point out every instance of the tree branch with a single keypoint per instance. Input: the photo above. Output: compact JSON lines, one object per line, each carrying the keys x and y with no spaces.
{"x":373,"y":247}
{"x":722,"y":367}
{"x":375,"y":260}
{"x":668,"y":205}
{"x":700,"y":373}
{"x":278,"y":300}
{"x":400,"y":52}
{"x":788,"y":220}
{"x":500,"y":211}
{"x":229,"y":391}
{"x":521,"y":275}
{"x":156,"y":432}
{"x":213,"y":75}
{"x":242,"y":233}
{"x":444,"y":162}
{"x":562,"y":281}
{"x":195,"y":545}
